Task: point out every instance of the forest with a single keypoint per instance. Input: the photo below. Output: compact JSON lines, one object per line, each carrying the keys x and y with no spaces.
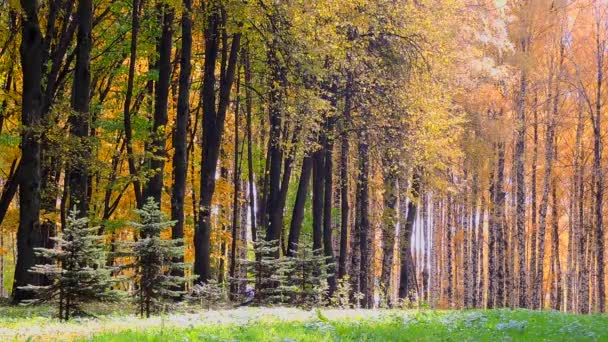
{"x":404,"y":157}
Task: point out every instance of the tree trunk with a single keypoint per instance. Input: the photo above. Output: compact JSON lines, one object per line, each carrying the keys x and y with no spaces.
{"x":389,"y":225}
{"x":154,"y":187}
{"x":327,"y":207}
{"x":248,"y":109}
{"x":236,"y":181}
{"x":579,"y":191}
{"x":275,"y":150}
{"x":317,"y":198}
{"x":78,"y":176}
{"x":29,"y":232}
{"x":556,"y":300}
{"x":213,"y":128}
{"x":180,"y":134}
{"x":363,"y":222}
{"x":298,"y":208}
{"x":599,"y":175}
{"x":127,"y":104}
{"x":534,"y":228}
{"x":407,"y":275}
{"x":519,"y":159}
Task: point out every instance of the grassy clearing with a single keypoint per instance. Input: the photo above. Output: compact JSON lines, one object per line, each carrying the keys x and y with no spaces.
{"x":287,"y":324}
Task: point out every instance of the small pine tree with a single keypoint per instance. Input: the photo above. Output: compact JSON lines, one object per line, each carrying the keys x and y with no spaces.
{"x":77,"y":272}
{"x":309,"y":276}
{"x":154,"y":259}
{"x":299,"y":280}
{"x":262,"y":269}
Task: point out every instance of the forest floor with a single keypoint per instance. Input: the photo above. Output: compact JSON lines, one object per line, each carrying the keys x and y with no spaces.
{"x":290,"y":324}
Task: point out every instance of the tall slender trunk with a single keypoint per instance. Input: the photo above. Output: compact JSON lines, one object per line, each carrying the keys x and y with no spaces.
{"x":275,"y":150}
{"x":549,"y":157}
{"x":556,"y":294}
{"x":389,"y":225}
{"x":298,"y":209}
{"x":363,"y":221}
{"x":154,"y":186}
{"x":344,"y":206}
{"x":597,"y":169}
{"x":521,"y":186}
{"x":29,"y":233}
{"x":248,"y":109}
{"x":317,"y":198}
{"x":534,"y":227}
{"x":327,"y":206}
{"x":180,"y":134}
{"x":127,"y":104}
{"x":475,"y":245}
{"x":449,"y":264}
{"x":496,"y":246}
{"x":407,"y":275}
{"x":344,"y":193}
{"x":236,"y":181}
{"x":213,"y":129}
{"x":579,"y":188}
{"x":78,"y":175}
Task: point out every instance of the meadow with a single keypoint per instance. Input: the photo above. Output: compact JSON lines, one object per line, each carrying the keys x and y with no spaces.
{"x":315,"y":325}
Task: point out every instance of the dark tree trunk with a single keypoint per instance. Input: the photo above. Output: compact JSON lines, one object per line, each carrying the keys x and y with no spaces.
{"x":78,"y":176}
{"x":298,"y":208}
{"x":534,"y":227}
{"x":236,"y":181}
{"x":407,"y":276}
{"x":127,"y":104}
{"x":598,"y":173}
{"x":248,"y":105}
{"x":579,"y":191}
{"x":154,"y":187}
{"x":29,"y":232}
{"x":449,"y":264}
{"x":556,"y":294}
{"x":496,"y":246}
{"x":363,"y":221}
{"x":327,"y":207}
{"x":389,"y":223}
{"x":275,"y":151}
{"x":180,"y":134}
{"x":317,"y":199}
{"x":213,"y":128}
{"x":344,"y":206}
{"x":476,"y":230}
{"x":519,"y":160}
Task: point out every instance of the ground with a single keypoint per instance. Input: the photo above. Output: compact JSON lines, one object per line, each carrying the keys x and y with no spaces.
{"x":289,"y":324}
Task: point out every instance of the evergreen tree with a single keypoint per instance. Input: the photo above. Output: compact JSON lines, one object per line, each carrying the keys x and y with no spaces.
{"x":298,"y":280}
{"x":309,"y":276}
{"x":261,"y":270}
{"x":77,"y":271}
{"x":154,"y":259}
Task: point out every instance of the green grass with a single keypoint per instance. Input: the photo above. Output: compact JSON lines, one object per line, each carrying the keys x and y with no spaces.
{"x":498,"y":325}
{"x":117,"y":323}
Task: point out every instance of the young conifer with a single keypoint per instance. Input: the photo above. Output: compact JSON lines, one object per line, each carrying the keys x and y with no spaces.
{"x":154,"y":259}
{"x":76,"y":271}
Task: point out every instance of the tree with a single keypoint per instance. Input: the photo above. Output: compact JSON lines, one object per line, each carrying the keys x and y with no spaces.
{"x":213,"y":127}
{"x":80,"y":118}
{"x":154,"y":260}
{"x":77,"y":272}
{"x":180,"y":134}
{"x":29,"y":234}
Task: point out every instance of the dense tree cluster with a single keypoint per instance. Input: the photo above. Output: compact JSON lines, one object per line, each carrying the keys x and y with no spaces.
{"x":347,"y":151}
